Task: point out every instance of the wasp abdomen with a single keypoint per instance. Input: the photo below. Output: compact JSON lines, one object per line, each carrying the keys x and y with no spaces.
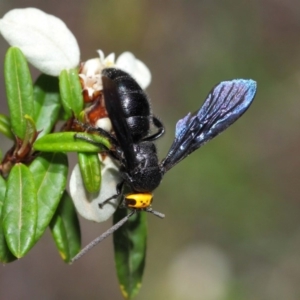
{"x":134,"y":101}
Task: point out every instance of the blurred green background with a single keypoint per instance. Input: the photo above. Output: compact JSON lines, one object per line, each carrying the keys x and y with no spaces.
{"x":232,"y":226}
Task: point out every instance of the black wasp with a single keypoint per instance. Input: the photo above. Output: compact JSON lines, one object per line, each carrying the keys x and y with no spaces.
{"x":129,"y":111}
{"x":134,"y":107}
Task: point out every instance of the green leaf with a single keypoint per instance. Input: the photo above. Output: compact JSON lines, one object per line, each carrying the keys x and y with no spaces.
{"x":19,"y":90}
{"x":30,"y":133}
{"x":65,"y":229}
{"x":71,"y":92}
{"x":29,"y":137}
{"x":66,"y":142}
{"x":63,"y":116}
{"x":90,"y":169}
{"x":47,"y":103}
{"x":130,"y":242}
{"x":20,"y":210}
{"x":49,"y":172}
{"x":5,"y":254}
{"x":5,"y":126}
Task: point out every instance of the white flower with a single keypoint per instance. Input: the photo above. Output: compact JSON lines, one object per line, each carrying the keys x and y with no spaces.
{"x":104,"y":123}
{"x":44,"y":39}
{"x":90,"y":72}
{"x":87,"y":204}
{"x":49,"y":45}
{"x":136,"y":68}
{"x":108,"y":61}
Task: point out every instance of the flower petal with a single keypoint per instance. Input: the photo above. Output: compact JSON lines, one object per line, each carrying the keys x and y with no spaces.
{"x":141,"y":74}
{"x":126,"y":62}
{"x":101,"y":55}
{"x":109,"y":61}
{"x":87,"y":204}
{"x":91,"y":67}
{"x":44,"y":39}
{"x":136,"y":68}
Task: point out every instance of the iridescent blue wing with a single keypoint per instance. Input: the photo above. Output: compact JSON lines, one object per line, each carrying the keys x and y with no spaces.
{"x":226,"y":102}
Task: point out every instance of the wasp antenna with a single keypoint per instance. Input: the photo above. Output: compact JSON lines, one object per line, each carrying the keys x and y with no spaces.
{"x":156,"y":213}
{"x":101,"y":237}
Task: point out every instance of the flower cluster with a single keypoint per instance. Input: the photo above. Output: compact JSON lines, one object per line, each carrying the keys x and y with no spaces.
{"x":51,"y":47}
{"x":90,"y":71}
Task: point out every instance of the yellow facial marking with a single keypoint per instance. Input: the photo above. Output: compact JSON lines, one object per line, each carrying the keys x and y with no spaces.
{"x":138,"y":200}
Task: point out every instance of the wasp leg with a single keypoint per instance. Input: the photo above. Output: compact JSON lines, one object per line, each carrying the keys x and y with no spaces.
{"x":116,"y":152}
{"x":106,"y":134}
{"x":161,"y":130}
{"x":90,"y":128}
{"x":118,"y":190}
{"x":85,"y":126}
{"x":91,"y":141}
{"x":88,"y":139}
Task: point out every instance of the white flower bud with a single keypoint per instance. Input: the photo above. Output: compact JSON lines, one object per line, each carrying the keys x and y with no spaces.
{"x":45,"y":40}
{"x":87,"y":204}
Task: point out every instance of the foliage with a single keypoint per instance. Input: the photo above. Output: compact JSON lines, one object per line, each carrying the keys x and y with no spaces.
{"x":34,"y":171}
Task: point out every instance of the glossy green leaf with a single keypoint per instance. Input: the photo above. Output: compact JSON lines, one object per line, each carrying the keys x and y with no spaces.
{"x":19,"y":90}
{"x":130,"y":242}
{"x":65,"y":229}
{"x":63,"y":115}
{"x":71,"y":92}
{"x":5,"y":254}
{"x":5,"y":126}
{"x":30,"y":133}
{"x":66,"y":142}
{"x":49,"y":172}
{"x":47,"y":103}
{"x":20,"y":210}
{"x":90,"y":169}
